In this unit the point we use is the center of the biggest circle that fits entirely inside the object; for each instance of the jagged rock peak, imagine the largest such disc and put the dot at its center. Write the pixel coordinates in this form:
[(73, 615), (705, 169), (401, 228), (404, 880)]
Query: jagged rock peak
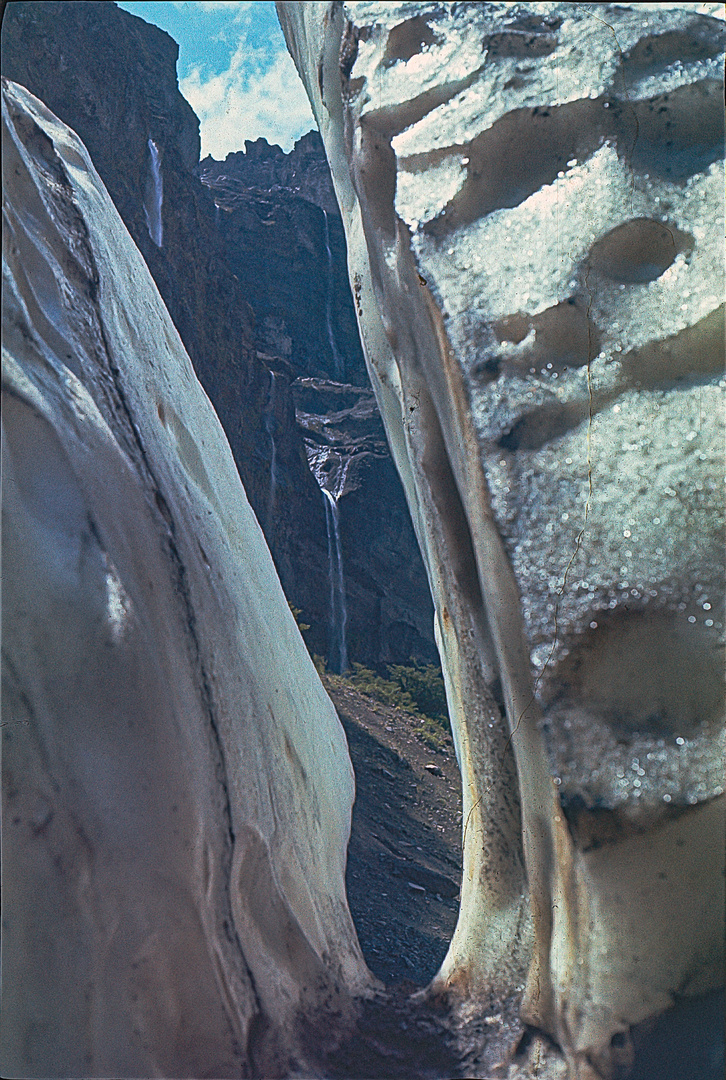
[(304, 171), (127, 78)]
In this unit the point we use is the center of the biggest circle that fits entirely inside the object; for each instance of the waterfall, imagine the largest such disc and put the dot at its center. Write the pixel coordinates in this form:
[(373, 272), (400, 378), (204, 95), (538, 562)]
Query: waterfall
[(338, 365), (331, 481), (152, 206), (338, 612), (270, 423)]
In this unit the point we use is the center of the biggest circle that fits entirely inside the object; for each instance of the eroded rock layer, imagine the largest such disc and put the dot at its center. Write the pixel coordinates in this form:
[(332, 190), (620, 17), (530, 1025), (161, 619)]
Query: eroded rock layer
[(177, 788), (532, 196)]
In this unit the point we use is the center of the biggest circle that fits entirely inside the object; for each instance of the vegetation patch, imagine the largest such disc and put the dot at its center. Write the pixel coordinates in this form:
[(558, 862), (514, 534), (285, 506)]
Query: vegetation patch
[(415, 688)]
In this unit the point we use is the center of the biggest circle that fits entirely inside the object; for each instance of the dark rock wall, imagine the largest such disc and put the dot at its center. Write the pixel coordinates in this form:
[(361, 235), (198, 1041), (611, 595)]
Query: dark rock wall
[(304, 171), (279, 219), (247, 299), (390, 611)]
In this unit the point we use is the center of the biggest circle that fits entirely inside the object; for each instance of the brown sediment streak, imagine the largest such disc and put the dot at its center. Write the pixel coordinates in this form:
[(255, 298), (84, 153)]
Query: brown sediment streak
[(544, 834)]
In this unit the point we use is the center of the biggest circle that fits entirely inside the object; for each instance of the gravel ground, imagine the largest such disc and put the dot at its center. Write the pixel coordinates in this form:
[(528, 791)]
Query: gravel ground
[(403, 880), (404, 859)]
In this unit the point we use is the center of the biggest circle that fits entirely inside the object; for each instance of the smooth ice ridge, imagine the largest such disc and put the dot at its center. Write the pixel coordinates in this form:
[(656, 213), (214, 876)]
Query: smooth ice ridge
[(177, 787)]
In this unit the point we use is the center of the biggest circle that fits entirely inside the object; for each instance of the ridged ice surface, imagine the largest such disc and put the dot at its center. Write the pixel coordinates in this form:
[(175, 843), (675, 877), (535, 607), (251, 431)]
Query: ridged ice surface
[(560, 171), (532, 196)]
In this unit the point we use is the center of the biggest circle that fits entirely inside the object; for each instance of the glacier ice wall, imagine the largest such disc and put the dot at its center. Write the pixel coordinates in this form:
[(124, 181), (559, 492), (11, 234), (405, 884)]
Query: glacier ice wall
[(177, 788), (533, 201)]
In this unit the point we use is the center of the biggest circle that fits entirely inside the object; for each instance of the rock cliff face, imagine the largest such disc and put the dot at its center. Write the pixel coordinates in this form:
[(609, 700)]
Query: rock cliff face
[(284, 241), (304, 171), (176, 783), (530, 194), (347, 450), (112, 78)]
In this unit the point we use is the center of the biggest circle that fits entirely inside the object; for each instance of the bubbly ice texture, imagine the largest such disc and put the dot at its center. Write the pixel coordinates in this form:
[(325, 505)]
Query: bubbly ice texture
[(609, 415), (533, 208), (566, 215)]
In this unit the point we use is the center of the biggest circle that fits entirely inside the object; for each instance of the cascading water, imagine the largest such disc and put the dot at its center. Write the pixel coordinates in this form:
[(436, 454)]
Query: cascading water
[(155, 196), (338, 364), (270, 423), (332, 484), (338, 611)]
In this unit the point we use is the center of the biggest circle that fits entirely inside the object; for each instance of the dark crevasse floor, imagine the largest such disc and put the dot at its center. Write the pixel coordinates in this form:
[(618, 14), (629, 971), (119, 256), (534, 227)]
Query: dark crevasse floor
[(403, 879)]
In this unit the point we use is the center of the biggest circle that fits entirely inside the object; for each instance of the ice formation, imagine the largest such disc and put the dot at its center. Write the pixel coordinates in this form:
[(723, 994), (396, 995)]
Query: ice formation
[(177, 788), (533, 203)]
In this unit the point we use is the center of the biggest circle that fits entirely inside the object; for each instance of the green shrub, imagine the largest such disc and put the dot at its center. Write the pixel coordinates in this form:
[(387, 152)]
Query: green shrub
[(432, 734), (415, 688), (385, 690), (296, 613), (425, 685)]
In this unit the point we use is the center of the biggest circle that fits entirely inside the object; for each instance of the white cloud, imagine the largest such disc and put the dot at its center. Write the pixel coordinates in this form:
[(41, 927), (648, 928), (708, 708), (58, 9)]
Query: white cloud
[(210, 6), (260, 94)]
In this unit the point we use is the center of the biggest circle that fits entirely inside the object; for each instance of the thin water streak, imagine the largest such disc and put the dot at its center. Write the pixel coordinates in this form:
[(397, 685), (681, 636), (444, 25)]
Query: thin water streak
[(270, 424), (338, 365), (155, 199), (338, 610)]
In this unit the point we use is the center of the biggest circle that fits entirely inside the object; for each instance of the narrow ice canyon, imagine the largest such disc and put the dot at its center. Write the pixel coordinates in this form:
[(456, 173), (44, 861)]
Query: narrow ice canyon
[(533, 202)]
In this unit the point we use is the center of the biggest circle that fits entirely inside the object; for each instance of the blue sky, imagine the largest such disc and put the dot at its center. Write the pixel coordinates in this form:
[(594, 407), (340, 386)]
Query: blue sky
[(234, 70)]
